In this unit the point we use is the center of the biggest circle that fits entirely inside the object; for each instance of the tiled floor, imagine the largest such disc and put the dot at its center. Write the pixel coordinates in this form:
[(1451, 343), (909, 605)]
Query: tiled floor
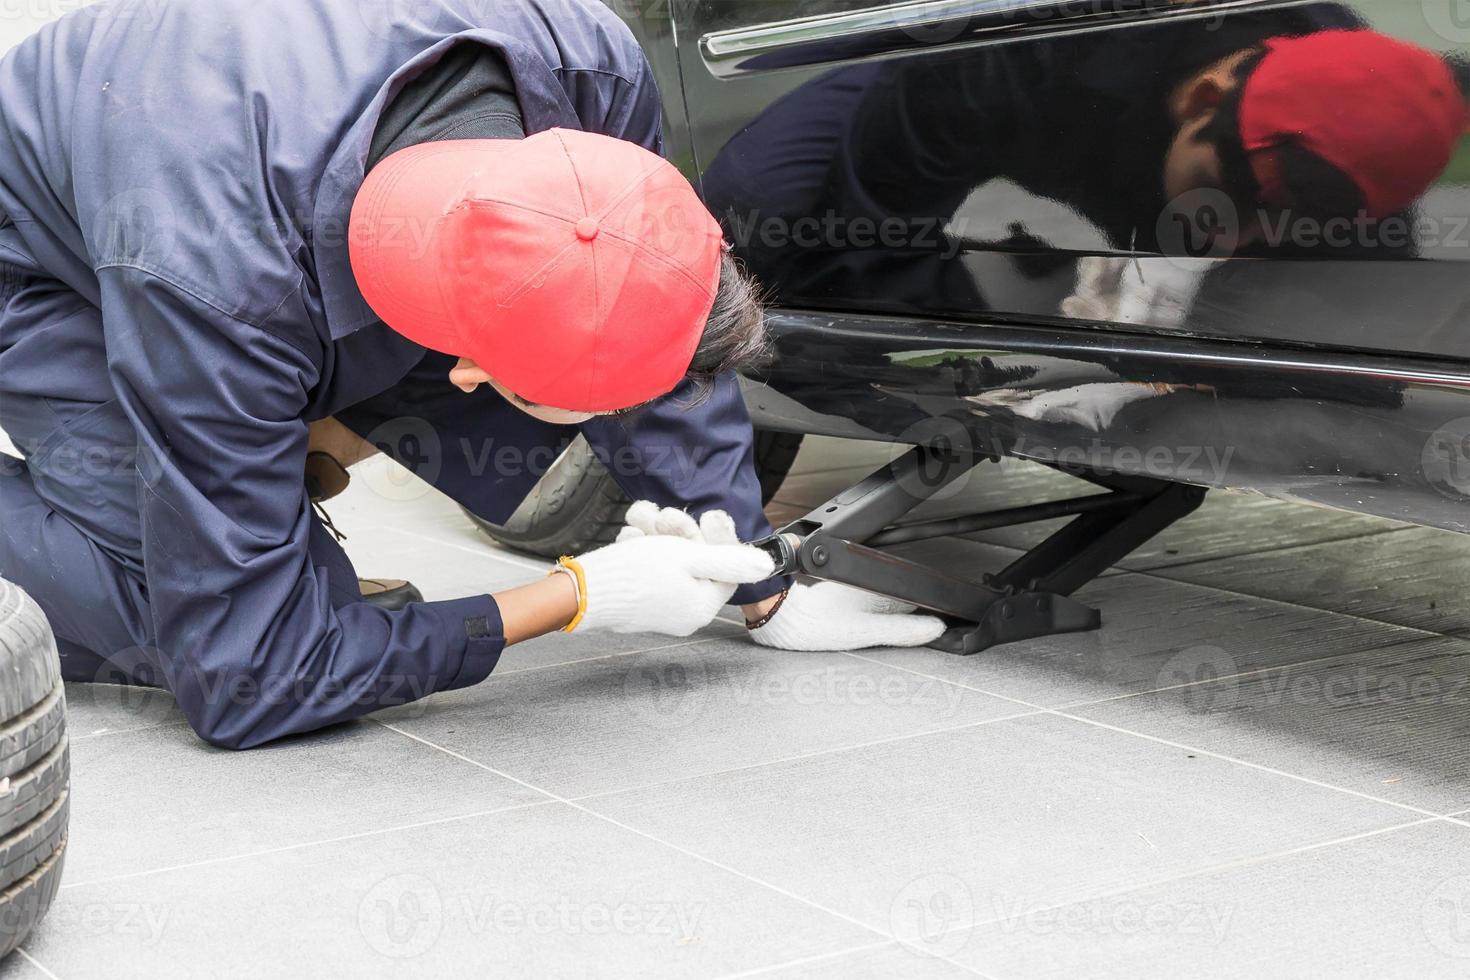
[(1259, 766)]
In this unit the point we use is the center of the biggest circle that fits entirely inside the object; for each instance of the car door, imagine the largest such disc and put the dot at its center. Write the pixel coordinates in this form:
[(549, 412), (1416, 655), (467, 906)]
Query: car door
[(1010, 161)]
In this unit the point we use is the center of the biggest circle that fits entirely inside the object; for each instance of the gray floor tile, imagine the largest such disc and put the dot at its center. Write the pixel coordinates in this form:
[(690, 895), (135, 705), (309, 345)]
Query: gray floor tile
[(384, 493), (807, 490), (949, 825), (103, 709), (1155, 634), (17, 967), (1391, 723), (439, 570), (160, 798), (1389, 905), (1227, 524), (393, 523), (610, 724), (456, 531), (880, 963), (542, 892), (822, 453), (1417, 577)]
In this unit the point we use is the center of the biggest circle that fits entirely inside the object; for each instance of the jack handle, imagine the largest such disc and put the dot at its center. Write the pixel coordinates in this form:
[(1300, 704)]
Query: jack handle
[(784, 549)]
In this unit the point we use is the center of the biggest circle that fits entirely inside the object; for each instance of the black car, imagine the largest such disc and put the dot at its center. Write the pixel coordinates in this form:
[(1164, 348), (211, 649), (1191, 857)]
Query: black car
[(1053, 229)]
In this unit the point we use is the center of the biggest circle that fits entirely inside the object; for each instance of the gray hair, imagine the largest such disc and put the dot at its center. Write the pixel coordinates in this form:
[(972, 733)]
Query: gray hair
[(735, 333)]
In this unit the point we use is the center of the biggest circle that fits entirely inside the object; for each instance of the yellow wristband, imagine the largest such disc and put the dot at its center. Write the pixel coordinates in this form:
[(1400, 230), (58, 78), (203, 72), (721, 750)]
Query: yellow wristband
[(575, 568)]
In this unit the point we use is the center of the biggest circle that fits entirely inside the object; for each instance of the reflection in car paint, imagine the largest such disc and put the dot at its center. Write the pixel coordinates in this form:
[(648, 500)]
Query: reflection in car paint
[(1012, 178)]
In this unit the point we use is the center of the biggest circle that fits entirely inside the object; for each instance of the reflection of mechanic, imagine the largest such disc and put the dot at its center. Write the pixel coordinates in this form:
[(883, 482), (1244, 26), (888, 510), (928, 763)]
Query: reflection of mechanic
[(165, 381), (1333, 123)]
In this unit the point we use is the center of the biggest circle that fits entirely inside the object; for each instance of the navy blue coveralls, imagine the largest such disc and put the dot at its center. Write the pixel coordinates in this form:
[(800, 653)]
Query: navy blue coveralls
[(177, 305)]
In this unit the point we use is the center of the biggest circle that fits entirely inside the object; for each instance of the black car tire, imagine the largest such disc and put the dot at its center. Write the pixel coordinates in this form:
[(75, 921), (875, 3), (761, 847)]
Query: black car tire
[(577, 506), (34, 767)]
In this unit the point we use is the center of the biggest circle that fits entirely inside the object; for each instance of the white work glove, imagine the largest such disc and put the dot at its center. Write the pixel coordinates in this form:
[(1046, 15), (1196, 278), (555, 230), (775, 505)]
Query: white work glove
[(825, 616), (670, 585), (833, 616)]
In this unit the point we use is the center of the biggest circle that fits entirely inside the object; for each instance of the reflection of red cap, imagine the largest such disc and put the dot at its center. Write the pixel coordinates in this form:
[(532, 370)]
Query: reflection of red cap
[(577, 269), (1384, 112)]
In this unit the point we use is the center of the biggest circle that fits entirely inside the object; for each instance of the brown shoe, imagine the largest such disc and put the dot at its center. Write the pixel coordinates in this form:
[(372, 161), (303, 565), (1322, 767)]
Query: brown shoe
[(391, 594), (325, 477)]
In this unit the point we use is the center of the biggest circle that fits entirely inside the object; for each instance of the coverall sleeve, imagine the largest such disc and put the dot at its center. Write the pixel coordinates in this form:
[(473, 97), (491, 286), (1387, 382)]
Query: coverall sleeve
[(250, 643), (639, 117), (691, 454)]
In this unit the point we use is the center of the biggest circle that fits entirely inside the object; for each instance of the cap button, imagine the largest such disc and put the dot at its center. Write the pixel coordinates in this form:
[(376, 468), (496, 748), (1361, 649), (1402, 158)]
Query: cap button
[(587, 229)]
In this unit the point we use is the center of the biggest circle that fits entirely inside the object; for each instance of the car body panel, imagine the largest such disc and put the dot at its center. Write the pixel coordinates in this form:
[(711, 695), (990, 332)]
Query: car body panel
[(1022, 143), (1387, 436)]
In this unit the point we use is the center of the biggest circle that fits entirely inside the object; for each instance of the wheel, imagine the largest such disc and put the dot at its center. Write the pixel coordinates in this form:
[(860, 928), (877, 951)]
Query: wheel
[(34, 767), (577, 506)]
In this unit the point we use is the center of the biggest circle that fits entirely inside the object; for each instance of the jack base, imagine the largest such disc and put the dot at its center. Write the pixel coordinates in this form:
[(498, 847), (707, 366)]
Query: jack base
[(1019, 617)]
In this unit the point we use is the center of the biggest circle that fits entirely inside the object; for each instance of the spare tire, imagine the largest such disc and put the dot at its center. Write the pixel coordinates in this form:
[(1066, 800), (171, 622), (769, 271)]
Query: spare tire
[(34, 767), (577, 506)]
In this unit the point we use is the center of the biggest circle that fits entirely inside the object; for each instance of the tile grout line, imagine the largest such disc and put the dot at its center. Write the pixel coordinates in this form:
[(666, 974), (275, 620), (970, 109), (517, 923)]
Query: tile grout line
[(1247, 674), (125, 731), (1057, 712), (611, 656), (35, 962), (823, 957), (644, 834), (1276, 550), (1262, 768), (490, 552), (801, 757), (1291, 605), (225, 859), (804, 960), (1222, 866), (968, 687)]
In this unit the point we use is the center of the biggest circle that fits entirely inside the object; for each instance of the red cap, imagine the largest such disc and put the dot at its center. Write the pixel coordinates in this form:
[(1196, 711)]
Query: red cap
[(577, 269), (1384, 112)]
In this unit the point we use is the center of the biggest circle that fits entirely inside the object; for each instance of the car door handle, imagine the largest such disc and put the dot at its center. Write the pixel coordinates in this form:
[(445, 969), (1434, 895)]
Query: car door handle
[(852, 35)]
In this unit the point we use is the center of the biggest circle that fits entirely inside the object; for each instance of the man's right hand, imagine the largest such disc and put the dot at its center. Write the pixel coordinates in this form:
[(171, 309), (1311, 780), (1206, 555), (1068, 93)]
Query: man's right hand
[(667, 584)]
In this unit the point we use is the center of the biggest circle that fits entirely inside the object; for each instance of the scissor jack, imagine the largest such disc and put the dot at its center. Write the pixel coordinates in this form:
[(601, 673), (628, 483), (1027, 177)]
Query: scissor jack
[(840, 541)]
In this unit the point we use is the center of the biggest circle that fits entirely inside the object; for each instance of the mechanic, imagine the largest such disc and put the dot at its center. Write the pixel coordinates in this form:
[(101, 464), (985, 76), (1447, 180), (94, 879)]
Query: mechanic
[(196, 268)]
